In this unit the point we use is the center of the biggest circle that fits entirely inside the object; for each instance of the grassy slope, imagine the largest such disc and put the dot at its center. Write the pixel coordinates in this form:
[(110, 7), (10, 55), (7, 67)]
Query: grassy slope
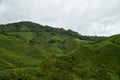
[(43, 54)]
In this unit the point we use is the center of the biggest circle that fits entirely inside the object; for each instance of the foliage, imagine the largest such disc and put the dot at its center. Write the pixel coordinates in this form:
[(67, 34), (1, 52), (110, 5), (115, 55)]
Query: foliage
[(29, 51)]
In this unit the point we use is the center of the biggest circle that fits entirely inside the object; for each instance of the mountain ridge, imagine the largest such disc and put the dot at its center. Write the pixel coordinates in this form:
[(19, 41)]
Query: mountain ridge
[(30, 51)]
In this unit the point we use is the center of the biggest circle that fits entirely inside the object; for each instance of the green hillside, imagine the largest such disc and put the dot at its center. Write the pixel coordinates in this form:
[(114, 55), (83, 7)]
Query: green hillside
[(29, 51)]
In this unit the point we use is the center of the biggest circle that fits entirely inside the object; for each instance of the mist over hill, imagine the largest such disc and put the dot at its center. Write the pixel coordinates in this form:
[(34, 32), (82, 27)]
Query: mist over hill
[(30, 51)]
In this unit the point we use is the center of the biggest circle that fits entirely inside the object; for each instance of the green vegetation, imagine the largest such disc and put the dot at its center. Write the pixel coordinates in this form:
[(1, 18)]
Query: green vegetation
[(29, 51)]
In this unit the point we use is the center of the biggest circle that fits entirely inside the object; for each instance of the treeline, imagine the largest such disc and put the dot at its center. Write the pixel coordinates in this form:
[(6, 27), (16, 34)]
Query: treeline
[(26, 26)]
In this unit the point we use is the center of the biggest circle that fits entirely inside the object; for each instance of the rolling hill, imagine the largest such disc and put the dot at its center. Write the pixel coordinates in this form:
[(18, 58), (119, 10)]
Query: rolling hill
[(30, 51)]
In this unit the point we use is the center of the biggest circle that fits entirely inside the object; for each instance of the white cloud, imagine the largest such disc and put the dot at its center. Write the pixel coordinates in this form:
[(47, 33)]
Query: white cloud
[(90, 17)]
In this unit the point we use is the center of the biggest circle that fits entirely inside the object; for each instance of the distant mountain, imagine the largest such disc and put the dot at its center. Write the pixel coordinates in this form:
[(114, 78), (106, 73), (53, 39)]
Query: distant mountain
[(30, 51)]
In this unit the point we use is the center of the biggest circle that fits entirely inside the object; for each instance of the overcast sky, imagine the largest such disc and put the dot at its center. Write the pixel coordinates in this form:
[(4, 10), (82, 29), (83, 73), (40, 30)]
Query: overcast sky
[(89, 17)]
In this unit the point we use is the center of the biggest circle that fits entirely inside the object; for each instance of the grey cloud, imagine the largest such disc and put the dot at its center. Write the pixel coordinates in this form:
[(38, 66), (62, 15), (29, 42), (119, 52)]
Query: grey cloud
[(90, 17)]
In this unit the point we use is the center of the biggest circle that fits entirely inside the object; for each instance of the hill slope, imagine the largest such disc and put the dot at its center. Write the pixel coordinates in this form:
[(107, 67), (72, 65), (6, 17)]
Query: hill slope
[(29, 51)]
